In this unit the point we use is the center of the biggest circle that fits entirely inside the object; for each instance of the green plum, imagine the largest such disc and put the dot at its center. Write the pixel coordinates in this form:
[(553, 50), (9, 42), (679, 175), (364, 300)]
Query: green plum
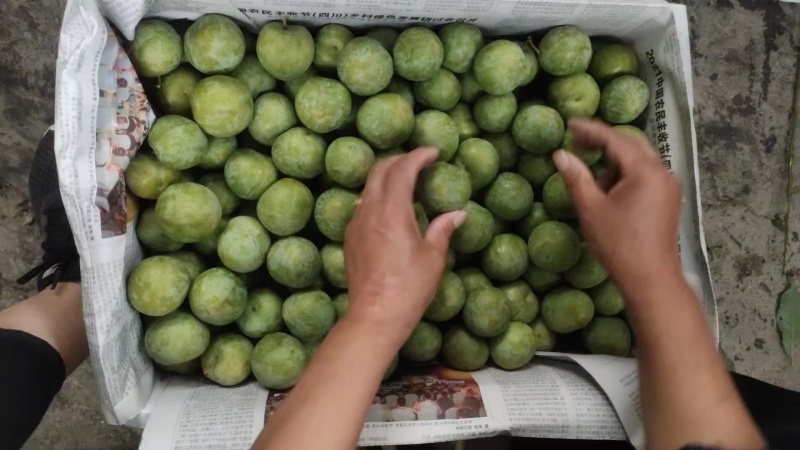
[(470, 89), (385, 120), (175, 90), (537, 169), (481, 161), (624, 99), (177, 142), (507, 150), (328, 45), (309, 315), (588, 272), (191, 261), (538, 129), (575, 95), (249, 173), (214, 44), (219, 149), (514, 347), (215, 181), (262, 315), (385, 35), (630, 130), (348, 161), (332, 255), (499, 67), (176, 338), (461, 42), (613, 61), (441, 91), (156, 48), (218, 296), (566, 310), (473, 279), (365, 67), (292, 85), (243, 245), (435, 129), (341, 303), (278, 360), (299, 153), (333, 211), (252, 74), (418, 54), (495, 113), (476, 231), (544, 338), (188, 212), (607, 336), (607, 299), (531, 66), (227, 359), (556, 198), (208, 245), (423, 344), (465, 124), (158, 286), (449, 298), (147, 177), (286, 51), (322, 104), (505, 258), (463, 350), (554, 246), (285, 207), (486, 311), (186, 368), (294, 262), (565, 50), (523, 302), (402, 88), (509, 197), (222, 106), (273, 115), (536, 217), (443, 187)]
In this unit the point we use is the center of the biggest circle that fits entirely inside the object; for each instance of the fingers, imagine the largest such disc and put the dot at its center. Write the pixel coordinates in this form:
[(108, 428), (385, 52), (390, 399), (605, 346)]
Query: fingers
[(377, 176), (623, 153), (582, 187), (442, 227), (402, 175)]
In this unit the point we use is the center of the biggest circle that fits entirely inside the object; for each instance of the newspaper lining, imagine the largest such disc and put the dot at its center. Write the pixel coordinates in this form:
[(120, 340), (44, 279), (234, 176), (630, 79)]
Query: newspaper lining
[(129, 389)]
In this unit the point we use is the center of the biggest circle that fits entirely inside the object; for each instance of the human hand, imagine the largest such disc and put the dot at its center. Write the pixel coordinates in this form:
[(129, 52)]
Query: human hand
[(392, 270), (631, 221)]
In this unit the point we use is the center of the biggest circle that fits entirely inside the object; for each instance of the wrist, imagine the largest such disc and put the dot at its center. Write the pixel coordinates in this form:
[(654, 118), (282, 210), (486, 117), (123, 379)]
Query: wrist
[(376, 335)]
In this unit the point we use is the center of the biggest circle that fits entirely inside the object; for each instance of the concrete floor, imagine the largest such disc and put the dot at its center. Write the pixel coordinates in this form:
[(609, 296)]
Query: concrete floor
[(745, 60)]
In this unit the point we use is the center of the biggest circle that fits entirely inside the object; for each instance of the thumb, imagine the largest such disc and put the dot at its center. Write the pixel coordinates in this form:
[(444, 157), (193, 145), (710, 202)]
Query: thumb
[(442, 227), (582, 187)]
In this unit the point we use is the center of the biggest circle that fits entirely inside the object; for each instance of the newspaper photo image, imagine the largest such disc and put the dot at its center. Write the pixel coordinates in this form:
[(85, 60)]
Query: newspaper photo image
[(104, 112)]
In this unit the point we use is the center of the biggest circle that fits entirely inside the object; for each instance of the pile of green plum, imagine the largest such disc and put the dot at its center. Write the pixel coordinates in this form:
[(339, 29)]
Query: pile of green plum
[(253, 170)]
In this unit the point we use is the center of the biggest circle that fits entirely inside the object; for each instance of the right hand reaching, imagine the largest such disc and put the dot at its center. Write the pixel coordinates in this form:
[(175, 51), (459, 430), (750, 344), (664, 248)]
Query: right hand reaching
[(632, 226)]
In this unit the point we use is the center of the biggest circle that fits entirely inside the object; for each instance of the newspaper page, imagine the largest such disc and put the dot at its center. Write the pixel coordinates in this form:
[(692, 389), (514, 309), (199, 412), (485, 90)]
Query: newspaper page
[(108, 247), (547, 399)]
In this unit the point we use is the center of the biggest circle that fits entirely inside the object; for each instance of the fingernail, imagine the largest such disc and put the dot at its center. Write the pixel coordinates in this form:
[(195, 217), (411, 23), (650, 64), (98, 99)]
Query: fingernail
[(563, 160), (459, 217)]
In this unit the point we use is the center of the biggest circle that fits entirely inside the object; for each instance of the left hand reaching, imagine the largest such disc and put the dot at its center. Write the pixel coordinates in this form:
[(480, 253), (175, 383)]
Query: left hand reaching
[(392, 270)]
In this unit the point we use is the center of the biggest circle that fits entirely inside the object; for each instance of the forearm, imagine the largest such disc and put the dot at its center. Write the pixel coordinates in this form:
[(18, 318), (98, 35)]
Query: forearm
[(327, 407), (687, 394)]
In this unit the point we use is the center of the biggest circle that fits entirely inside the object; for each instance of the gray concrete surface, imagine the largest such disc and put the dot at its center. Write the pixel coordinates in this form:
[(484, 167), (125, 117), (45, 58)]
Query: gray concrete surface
[(745, 61)]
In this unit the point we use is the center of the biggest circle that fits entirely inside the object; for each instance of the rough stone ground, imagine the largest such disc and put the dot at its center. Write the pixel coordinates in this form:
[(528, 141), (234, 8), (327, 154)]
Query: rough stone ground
[(745, 61)]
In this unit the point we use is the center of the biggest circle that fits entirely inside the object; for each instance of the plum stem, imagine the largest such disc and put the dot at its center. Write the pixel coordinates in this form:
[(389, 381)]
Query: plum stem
[(285, 25), (530, 43)]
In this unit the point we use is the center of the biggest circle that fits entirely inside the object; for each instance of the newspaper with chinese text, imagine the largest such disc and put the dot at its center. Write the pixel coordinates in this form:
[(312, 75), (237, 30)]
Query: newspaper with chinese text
[(102, 115)]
